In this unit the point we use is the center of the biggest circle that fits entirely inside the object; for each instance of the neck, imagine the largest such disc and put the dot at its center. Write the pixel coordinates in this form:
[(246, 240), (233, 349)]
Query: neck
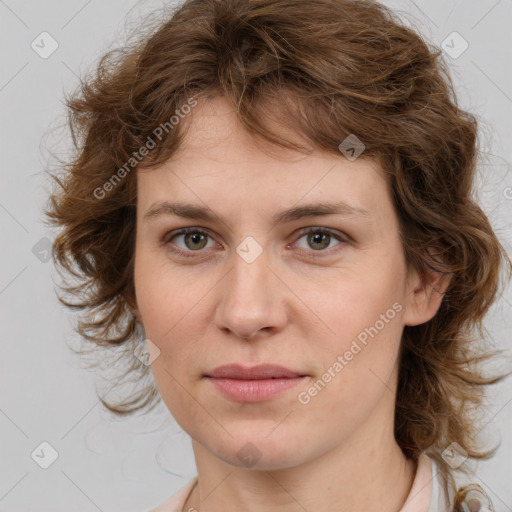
[(355, 477)]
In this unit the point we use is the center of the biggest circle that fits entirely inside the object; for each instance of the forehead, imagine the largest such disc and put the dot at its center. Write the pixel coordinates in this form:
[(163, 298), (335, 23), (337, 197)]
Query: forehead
[(220, 164)]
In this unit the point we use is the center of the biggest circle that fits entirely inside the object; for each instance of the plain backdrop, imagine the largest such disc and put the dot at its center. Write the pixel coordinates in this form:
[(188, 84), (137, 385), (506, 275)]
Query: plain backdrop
[(47, 396)]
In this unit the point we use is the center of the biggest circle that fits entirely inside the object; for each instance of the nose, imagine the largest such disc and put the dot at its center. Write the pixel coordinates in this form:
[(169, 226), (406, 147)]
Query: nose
[(253, 299)]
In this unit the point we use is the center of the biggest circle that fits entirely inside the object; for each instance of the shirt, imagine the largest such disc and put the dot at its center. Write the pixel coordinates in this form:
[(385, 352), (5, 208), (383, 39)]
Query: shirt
[(428, 492)]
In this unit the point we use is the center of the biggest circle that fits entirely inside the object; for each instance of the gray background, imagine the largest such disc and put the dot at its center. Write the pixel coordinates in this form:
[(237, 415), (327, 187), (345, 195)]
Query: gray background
[(47, 395)]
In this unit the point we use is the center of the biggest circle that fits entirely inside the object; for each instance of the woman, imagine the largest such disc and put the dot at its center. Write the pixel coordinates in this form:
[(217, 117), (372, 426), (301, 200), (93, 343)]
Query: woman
[(319, 343)]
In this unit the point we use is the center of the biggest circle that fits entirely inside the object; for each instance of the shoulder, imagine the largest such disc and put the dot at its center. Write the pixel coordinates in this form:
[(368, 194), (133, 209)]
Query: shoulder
[(443, 494), (176, 502), (459, 496)]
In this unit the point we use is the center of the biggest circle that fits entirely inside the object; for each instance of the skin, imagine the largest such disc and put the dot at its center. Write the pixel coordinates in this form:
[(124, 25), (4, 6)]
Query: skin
[(338, 451)]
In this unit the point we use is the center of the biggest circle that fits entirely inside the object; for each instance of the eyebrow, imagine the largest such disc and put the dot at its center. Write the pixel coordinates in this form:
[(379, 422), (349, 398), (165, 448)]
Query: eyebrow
[(190, 211)]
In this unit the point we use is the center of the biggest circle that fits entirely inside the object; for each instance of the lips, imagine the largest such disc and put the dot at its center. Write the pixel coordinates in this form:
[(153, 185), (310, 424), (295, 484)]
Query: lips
[(253, 384), (260, 372)]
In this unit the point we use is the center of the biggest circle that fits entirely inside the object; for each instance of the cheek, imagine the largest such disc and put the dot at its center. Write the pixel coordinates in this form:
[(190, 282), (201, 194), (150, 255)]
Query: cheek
[(165, 296), (167, 309), (172, 305), (365, 328), (359, 304), (356, 368)]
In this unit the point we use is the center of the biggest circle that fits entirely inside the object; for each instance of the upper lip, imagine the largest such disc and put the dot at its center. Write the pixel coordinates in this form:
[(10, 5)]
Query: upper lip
[(263, 371)]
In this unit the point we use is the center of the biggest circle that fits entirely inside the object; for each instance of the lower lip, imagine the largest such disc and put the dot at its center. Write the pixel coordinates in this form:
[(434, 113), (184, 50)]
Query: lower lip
[(254, 390)]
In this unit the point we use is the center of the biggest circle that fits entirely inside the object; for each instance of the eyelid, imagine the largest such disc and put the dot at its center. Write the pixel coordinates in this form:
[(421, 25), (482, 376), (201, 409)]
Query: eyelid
[(341, 235)]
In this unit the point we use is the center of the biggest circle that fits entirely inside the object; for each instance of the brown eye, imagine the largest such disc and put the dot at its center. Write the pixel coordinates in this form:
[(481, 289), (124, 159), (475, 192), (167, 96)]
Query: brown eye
[(318, 240), (193, 240)]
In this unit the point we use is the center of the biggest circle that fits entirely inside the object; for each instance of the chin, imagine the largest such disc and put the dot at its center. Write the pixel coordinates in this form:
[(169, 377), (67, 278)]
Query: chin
[(260, 451)]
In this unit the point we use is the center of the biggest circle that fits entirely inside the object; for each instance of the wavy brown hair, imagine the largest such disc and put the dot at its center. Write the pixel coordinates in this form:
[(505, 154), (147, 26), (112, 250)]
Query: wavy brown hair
[(327, 69)]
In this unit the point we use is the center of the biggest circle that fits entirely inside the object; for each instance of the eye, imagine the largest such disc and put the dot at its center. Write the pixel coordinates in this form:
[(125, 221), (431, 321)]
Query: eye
[(319, 239), (194, 239)]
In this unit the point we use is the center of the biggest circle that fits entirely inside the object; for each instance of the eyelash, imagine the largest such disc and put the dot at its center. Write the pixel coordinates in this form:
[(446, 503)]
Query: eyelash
[(166, 240)]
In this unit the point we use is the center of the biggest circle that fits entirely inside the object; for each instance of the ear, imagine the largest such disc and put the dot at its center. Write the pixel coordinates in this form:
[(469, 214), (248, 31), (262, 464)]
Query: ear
[(424, 296)]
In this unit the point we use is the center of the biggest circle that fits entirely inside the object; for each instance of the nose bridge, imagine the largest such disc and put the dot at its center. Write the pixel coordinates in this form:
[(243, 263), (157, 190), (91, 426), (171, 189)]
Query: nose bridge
[(250, 296), (251, 269)]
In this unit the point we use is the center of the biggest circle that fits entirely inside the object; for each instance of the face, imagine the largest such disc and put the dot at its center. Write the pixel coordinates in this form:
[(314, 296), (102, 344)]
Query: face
[(324, 295)]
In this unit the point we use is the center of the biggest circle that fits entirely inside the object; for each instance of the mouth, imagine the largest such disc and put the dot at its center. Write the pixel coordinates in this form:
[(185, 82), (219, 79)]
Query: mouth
[(262, 371), (253, 384)]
